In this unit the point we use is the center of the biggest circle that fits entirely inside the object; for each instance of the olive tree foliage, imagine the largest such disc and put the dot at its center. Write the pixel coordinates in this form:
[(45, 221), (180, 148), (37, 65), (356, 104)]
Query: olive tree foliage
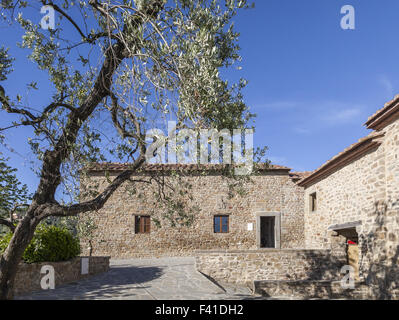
[(5, 64), (173, 53), (14, 196), (85, 230), (116, 69)]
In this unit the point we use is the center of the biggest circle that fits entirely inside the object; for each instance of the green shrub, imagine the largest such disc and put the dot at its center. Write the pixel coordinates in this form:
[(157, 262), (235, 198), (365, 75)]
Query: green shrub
[(49, 244), (4, 241)]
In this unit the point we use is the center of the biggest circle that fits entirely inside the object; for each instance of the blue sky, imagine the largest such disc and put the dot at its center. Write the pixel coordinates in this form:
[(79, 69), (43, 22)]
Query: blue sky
[(311, 83)]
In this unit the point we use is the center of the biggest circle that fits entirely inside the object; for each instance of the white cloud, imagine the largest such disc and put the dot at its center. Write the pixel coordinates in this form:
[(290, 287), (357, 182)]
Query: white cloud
[(342, 116), (278, 160), (309, 117), (283, 161), (301, 130), (278, 105), (387, 85), (317, 116), (328, 113)]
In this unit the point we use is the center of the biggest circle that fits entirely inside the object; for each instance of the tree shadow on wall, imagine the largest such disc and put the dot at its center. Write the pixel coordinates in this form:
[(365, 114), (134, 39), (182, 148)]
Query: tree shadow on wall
[(322, 268), (379, 251), (378, 260)]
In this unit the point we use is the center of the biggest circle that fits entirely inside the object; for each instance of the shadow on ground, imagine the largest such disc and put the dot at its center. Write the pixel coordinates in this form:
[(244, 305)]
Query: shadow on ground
[(120, 281)]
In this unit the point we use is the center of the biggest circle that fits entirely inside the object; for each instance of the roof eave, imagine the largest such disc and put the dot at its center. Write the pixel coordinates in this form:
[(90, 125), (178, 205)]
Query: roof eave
[(380, 120), (358, 150), (166, 168)]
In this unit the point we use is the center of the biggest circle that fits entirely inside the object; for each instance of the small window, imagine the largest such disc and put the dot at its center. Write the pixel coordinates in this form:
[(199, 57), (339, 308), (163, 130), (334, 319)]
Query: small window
[(221, 224), (313, 202), (142, 224)]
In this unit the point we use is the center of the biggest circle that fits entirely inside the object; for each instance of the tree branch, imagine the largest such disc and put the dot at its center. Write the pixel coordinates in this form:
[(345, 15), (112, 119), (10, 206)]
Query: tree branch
[(16, 206), (51, 175), (62, 12), (8, 224), (121, 129), (32, 118), (58, 210)]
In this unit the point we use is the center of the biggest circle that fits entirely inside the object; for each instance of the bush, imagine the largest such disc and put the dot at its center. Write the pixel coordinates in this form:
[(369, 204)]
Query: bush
[(49, 244), (4, 241)]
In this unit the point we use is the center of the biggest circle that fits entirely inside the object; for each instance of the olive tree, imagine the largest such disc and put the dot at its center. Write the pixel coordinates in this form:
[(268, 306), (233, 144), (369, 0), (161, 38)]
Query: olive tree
[(117, 69), (13, 195)]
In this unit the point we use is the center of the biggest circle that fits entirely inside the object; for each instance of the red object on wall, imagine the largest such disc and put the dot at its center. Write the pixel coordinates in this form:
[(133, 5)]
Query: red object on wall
[(351, 242)]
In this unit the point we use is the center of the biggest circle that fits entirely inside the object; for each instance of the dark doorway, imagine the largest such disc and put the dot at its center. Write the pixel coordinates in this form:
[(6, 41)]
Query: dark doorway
[(352, 250), (267, 232), (351, 238)]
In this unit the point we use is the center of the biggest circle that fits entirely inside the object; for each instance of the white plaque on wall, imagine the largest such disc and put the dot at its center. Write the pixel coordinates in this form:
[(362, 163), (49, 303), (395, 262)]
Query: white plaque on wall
[(85, 265), (250, 226)]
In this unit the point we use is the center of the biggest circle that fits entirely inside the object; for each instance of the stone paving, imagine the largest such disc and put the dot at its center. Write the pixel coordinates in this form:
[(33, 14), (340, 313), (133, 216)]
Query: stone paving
[(146, 279)]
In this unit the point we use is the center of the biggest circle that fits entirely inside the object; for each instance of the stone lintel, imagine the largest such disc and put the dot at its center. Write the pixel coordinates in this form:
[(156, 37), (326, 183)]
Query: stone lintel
[(348, 225)]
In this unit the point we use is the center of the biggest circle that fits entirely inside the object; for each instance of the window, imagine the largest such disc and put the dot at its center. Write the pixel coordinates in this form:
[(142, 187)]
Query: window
[(142, 224), (313, 202), (221, 224)]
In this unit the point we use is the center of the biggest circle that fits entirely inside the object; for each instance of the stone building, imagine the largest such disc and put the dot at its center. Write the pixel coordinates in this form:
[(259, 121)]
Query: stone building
[(269, 214), (353, 199), (351, 217), (288, 229)]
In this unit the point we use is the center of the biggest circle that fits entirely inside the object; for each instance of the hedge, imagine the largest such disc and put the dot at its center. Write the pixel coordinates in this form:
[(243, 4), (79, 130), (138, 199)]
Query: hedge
[(49, 244)]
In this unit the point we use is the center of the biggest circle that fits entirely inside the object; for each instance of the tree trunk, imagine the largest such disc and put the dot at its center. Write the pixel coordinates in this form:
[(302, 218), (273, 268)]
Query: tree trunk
[(90, 248), (25, 230), (12, 256), (50, 174), (51, 177)]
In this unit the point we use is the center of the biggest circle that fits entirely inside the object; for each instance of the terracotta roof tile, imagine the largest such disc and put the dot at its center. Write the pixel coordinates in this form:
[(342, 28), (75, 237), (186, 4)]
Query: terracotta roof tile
[(300, 175), (372, 137), (389, 110), (168, 167)]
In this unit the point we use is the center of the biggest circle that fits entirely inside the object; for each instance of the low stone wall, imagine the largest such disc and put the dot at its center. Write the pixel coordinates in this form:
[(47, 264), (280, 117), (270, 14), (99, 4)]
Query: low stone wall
[(28, 275), (324, 289), (245, 267), (310, 289)]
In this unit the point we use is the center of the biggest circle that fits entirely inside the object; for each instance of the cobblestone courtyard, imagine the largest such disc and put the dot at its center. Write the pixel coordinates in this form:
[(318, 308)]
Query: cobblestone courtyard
[(146, 279)]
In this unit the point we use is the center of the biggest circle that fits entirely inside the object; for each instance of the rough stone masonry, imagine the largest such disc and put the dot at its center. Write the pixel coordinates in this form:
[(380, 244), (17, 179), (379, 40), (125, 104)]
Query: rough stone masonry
[(351, 200), (273, 191)]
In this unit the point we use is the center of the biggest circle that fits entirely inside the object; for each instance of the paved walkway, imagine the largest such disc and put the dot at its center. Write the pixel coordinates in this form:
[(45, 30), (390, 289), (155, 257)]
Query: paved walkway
[(148, 279)]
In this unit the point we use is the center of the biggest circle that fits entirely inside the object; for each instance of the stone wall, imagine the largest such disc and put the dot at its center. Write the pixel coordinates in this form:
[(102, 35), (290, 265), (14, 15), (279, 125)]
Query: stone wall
[(272, 191), (245, 267), (28, 275), (366, 190), (345, 196), (312, 289)]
